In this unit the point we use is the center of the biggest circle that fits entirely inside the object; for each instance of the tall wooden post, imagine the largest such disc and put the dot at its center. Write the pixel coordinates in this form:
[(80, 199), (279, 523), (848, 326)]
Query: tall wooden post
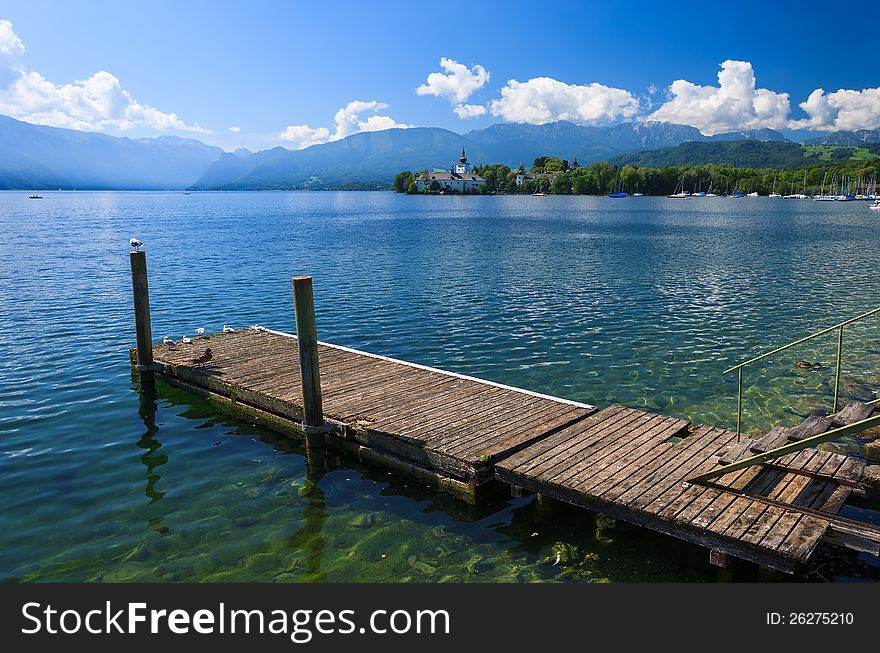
[(142, 314), (307, 337)]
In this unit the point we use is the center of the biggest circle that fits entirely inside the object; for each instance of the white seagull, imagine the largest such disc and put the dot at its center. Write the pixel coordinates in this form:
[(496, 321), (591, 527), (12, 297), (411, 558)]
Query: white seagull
[(187, 340), (134, 242), (257, 327), (168, 341), (201, 331), (228, 329)]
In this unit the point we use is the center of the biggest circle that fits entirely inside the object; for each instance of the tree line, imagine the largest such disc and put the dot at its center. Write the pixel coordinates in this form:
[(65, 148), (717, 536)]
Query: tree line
[(601, 178)]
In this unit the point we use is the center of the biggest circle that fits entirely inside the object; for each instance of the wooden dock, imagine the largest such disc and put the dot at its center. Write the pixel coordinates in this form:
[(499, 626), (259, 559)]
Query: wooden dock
[(778, 501), (461, 433), (449, 427), (635, 466)]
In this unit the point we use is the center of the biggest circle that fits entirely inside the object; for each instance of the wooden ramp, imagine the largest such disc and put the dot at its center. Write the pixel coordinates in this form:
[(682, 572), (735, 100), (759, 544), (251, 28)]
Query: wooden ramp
[(420, 418), (634, 466)]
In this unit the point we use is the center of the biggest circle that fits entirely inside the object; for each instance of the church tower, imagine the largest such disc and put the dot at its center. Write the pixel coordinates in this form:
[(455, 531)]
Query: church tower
[(462, 166)]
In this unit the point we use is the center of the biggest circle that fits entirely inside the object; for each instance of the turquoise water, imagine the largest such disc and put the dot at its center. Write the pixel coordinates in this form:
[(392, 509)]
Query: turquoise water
[(641, 301)]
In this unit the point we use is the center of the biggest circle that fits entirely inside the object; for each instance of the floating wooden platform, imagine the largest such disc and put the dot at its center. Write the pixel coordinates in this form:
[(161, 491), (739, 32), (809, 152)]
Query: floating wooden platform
[(635, 466), (462, 432), (443, 424)]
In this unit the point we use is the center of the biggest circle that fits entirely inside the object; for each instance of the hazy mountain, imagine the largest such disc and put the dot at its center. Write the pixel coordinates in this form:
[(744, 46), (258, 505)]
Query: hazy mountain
[(371, 159), (363, 160), (847, 139), (38, 157)]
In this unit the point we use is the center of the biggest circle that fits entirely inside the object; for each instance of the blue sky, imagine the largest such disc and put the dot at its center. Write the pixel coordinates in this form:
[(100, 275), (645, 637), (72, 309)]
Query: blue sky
[(199, 68)]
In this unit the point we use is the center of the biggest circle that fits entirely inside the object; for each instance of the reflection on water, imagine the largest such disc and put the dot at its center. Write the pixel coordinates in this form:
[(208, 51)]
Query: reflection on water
[(642, 303), (147, 410)]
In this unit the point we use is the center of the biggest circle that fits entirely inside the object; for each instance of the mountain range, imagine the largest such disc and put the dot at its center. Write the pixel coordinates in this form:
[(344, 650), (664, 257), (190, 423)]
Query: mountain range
[(371, 159), (38, 157)]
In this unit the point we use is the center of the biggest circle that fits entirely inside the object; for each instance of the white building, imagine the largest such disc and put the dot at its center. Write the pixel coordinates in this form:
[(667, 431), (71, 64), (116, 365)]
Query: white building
[(460, 178)]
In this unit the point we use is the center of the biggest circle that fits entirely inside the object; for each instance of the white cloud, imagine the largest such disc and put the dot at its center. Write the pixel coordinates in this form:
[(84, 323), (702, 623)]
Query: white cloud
[(734, 104), (347, 121), (457, 84), (234, 130), (96, 103), (469, 110), (542, 99), (841, 110), (302, 136)]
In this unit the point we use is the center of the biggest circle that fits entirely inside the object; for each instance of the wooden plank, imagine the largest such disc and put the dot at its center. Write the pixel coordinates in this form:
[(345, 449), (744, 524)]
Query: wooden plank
[(854, 411), (605, 436), (775, 438), (762, 526), (431, 413), (736, 452), (666, 463), (813, 425), (561, 438), (744, 522), (514, 431), (636, 440), (850, 471), (589, 436), (498, 419), (780, 530), (614, 469), (661, 493), (803, 538)]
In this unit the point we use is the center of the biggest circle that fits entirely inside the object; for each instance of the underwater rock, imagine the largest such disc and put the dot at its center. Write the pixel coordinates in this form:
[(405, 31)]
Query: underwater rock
[(872, 451), (139, 553), (269, 475), (285, 497), (252, 493), (424, 568), (604, 526), (127, 573), (565, 554), (245, 522), (365, 520), (871, 477), (476, 565), (857, 388)]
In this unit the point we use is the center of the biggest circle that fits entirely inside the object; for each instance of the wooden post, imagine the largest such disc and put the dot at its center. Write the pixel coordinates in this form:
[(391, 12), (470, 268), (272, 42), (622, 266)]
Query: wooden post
[(307, 340), (142, 313)]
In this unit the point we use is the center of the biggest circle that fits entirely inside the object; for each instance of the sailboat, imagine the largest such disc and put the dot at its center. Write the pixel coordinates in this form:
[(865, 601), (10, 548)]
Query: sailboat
[(679, 193), (774, 193), (709, 192), (637, 193), (822, 197), (736, 192), (799, 196), (618, 194)]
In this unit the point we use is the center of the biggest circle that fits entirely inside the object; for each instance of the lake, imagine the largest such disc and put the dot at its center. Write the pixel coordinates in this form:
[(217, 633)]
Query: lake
[(641, 301)]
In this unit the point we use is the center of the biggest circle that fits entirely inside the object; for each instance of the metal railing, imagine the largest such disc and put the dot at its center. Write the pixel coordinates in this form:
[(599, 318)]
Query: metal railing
[(838, 327)]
